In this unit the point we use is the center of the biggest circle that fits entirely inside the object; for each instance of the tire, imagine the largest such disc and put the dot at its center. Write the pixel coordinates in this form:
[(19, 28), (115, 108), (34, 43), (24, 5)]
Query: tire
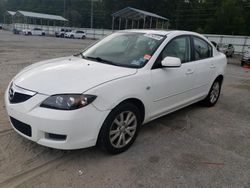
[(213, 94), (242, 63), (72, 36), (62, 35), (83, 37), (120, 140)]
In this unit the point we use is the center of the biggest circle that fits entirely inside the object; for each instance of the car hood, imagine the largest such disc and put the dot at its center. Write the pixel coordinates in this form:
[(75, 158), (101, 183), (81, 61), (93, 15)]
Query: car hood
[(68, 75)]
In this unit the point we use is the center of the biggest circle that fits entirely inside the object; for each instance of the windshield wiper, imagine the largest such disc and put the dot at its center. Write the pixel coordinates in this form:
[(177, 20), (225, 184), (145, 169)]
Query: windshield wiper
[(99, 59)]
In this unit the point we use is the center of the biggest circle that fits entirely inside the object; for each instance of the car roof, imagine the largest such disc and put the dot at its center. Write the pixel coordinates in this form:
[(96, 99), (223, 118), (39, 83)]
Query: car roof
[(161, 32)]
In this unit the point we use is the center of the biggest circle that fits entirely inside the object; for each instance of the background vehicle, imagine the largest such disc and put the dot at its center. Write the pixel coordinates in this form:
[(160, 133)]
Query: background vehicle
[(35, 31), (75, 34), (16, 31), (62, 32), (245, 59), (215, 45), (227, 49), (1, 26), (125, 80)]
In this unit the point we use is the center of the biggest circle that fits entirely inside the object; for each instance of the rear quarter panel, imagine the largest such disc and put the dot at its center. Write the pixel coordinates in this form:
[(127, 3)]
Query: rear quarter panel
[(220, 62)]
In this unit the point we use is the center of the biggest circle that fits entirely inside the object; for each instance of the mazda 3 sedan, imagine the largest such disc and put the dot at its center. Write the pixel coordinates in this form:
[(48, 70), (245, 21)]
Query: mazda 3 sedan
[(103, 95)]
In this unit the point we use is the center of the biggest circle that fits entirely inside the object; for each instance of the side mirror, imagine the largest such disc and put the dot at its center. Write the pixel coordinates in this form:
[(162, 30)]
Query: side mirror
[(171, 62)]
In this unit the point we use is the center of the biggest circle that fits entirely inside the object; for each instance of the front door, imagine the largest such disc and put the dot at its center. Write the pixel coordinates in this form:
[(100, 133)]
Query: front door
[(172, 87)]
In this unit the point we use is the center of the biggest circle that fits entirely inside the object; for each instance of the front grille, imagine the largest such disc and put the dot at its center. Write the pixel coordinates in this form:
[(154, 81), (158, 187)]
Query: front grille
[(20, 126), (18, 94), (19, 97)]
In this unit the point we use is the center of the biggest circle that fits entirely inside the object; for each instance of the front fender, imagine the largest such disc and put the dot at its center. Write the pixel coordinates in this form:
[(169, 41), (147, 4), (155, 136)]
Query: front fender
[(110, 94)]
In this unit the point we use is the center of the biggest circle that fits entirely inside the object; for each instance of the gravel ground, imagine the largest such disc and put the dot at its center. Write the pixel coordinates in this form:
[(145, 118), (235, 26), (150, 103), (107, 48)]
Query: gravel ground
[(193, 147)]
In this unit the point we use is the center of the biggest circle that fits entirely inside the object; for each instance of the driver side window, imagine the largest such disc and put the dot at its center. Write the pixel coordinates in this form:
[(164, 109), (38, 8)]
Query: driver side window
[(178, 47)]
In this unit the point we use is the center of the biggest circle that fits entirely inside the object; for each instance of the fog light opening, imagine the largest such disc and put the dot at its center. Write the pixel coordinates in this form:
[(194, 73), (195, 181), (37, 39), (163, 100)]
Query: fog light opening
[(57, 137)]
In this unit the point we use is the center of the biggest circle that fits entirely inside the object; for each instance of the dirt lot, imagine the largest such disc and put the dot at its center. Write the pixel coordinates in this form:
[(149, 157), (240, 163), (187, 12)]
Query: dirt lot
[(193, 147)]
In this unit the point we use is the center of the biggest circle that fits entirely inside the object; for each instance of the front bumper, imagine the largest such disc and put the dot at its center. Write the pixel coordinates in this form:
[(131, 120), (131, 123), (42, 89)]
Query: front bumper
[(78, 128)]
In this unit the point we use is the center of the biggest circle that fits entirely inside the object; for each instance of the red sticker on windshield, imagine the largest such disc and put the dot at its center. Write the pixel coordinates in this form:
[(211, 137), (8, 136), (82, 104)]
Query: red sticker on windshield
[(147, 57)]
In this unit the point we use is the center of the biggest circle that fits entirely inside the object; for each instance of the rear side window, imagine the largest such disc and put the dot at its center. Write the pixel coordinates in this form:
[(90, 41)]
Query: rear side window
[(202, 49)]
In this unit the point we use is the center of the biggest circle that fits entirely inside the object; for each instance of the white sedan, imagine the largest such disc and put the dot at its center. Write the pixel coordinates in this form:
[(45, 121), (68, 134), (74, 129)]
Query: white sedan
[(103, 95)]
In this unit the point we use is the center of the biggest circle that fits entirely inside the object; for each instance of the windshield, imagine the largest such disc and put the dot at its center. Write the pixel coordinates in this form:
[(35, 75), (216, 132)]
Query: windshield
[(127, 49)]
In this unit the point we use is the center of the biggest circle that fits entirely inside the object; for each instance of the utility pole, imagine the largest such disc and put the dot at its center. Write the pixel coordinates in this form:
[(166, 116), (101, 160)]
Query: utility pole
[(91, 14), (64, 11), (178, 14), (64, 8)]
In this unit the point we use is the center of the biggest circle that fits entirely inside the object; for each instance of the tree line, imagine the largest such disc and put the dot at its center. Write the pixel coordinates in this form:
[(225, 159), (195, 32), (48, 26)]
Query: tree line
[(204, 16)]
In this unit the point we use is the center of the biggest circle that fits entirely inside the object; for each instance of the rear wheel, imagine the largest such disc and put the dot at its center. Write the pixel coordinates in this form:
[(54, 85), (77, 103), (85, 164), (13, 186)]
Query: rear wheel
[(120, 128), (213, 94)]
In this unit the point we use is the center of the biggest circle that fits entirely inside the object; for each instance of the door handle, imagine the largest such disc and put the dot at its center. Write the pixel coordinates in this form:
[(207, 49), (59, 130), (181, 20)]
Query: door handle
[(189, 71), (212, 66)]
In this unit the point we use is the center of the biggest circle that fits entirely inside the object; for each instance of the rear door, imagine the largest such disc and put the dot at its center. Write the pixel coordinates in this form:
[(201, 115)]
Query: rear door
[(205, 66), (77, 34)]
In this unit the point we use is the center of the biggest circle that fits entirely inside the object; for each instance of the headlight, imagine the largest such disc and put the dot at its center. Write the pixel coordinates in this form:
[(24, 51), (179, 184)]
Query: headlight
[(68, 101)]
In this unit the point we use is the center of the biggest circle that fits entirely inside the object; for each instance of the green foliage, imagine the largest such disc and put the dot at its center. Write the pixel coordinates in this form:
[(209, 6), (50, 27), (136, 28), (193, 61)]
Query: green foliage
[(228, 19), (206, 16)]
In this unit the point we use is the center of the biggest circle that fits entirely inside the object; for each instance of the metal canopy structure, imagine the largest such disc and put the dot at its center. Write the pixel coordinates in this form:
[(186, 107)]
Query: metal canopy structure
[(8, 17), (134, 14), (10, 13), (24, 20), (40, 16)]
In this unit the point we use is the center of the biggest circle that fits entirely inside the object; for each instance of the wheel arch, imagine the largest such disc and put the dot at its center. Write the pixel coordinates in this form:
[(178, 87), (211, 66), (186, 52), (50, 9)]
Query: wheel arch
[(138, 103), (220, 78)]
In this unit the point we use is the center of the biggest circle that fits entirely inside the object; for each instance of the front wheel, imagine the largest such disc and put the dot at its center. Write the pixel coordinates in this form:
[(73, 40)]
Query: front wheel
[(213, 94), (120, 128)]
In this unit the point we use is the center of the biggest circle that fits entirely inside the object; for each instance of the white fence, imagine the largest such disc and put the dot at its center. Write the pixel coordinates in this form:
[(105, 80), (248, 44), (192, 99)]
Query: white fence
[(50, 30), (239, 42)]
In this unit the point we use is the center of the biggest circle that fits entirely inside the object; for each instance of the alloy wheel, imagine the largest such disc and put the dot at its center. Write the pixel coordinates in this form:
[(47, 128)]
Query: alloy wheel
[(215, 92), (123, 129)]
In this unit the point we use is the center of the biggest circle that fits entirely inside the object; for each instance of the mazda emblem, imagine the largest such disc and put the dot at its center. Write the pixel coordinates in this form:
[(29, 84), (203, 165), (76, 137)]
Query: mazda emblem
[(11, 93)]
